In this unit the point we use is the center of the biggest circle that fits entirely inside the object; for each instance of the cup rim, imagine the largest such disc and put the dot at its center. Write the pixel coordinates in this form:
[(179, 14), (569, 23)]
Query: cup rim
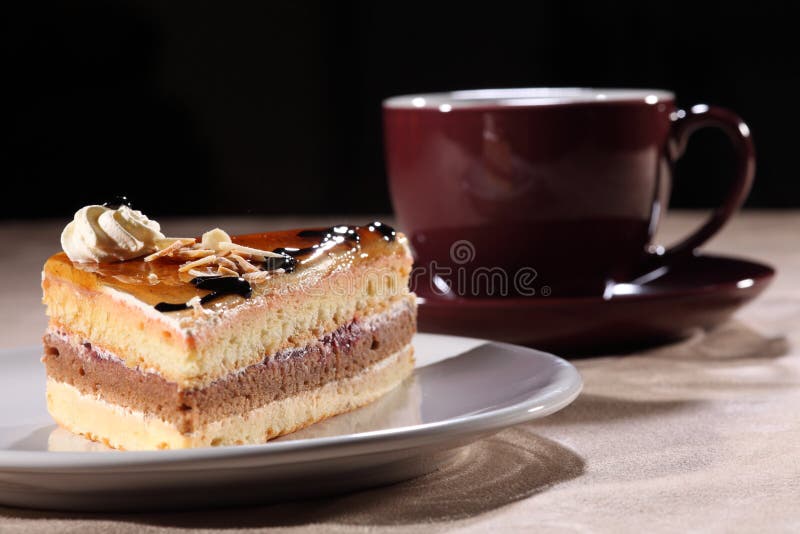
[(525, 97)]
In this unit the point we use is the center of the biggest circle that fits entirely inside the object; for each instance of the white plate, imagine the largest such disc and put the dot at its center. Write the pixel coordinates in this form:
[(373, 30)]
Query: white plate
[(462, 390)]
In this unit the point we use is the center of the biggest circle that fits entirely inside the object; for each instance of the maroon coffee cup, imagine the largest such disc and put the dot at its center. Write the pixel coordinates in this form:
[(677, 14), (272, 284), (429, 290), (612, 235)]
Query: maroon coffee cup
[(544, 192)]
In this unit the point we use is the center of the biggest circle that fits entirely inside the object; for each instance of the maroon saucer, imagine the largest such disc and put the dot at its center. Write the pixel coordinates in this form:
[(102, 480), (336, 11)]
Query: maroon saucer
[(702, 291)]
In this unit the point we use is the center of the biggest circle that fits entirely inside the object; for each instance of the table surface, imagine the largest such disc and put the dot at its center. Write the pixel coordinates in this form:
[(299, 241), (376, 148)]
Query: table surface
[(702, 434)]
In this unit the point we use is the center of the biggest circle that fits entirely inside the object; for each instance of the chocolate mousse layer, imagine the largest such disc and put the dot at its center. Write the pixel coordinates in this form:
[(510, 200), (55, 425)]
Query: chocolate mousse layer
[(339, 355)]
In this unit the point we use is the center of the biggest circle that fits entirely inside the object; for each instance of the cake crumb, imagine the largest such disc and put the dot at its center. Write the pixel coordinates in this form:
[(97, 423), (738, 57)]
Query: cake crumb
[(197, 306)]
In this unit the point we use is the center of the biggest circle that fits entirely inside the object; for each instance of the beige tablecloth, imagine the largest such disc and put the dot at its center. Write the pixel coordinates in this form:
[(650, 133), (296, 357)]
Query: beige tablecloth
[(701, 435)]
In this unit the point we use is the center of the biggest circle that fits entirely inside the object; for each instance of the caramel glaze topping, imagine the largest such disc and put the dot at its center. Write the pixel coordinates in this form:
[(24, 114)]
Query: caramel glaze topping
[(172, 290)]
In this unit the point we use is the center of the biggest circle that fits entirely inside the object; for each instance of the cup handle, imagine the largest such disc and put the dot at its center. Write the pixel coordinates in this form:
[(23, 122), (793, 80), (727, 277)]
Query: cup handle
[(684, 124)]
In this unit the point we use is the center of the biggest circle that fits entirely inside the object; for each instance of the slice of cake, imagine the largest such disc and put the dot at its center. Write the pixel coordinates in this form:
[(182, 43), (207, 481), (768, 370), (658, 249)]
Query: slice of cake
[(157, 343)]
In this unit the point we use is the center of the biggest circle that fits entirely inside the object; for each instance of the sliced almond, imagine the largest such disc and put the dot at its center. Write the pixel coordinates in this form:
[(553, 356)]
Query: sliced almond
[(193, 253), (197, 263), (249, 251), (214, 238), (224, 271), (167, 241), (168, 251), (225, 262), (197, 273), (244, 265)]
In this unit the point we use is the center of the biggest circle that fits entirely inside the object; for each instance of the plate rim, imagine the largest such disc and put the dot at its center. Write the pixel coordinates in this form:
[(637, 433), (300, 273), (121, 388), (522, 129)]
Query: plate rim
[(565, 385)]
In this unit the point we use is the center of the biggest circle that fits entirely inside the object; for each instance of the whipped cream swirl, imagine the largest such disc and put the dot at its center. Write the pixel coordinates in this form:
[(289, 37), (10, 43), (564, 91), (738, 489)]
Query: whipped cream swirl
[(102, 235)]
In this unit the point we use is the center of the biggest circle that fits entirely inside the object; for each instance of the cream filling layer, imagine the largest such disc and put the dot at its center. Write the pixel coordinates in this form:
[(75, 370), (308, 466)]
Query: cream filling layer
[(369, 322), (123, 428)]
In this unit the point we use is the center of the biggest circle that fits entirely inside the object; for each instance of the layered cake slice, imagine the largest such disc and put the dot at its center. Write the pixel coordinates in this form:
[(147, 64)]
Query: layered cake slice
[(159, 343)]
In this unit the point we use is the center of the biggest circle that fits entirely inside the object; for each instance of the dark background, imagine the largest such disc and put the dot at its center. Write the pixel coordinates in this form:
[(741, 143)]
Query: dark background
[(274, 107)]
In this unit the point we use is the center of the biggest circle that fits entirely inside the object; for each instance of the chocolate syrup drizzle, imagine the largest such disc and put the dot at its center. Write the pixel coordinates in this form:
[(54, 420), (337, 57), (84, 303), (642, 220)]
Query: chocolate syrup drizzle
[(219, 287), (385, 230), (117, 202), (232, 285), (287, 263)]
